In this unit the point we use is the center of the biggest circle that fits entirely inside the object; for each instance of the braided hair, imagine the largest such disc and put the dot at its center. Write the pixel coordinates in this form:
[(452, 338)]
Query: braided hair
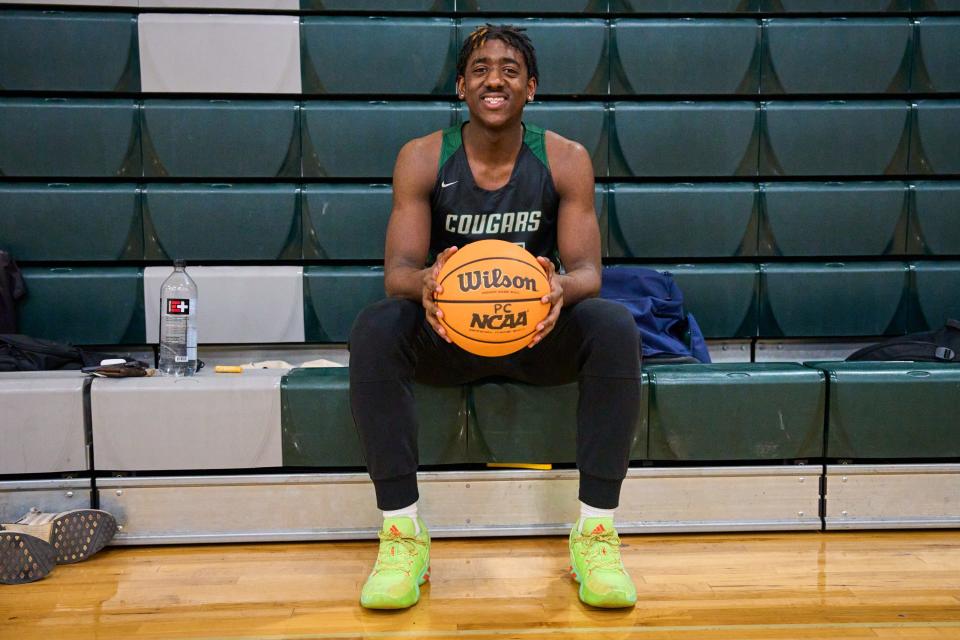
[(510, 35)]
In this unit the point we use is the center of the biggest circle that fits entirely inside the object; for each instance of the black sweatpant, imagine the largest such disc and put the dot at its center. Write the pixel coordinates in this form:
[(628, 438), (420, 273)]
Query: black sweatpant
[(594, 342)]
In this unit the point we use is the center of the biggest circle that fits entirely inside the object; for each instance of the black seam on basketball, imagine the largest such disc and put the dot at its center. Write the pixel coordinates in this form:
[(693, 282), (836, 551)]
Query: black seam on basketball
[(505, 301), (536, 266), (444, 322)]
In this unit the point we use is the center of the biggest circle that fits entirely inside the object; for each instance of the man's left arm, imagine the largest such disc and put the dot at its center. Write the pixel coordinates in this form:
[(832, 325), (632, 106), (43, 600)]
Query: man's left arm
[(578, 234)]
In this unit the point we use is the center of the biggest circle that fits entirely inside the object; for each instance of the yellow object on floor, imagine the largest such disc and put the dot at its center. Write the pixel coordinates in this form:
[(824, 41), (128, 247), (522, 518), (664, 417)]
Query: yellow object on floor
[(221, 368), (520, 465)]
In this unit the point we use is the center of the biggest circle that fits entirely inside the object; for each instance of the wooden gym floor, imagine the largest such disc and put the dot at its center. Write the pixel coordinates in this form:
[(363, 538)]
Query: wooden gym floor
[(703, 587)]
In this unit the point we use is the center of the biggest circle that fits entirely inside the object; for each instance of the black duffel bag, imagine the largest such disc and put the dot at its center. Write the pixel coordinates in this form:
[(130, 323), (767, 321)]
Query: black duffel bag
[(941, 345), (23, 353)]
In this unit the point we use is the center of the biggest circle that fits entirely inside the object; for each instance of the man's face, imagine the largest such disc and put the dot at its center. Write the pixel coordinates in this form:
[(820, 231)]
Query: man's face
[(496, 85)]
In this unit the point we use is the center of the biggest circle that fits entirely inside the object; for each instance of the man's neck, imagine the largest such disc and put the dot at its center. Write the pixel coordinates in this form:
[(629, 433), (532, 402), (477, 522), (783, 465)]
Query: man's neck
[(493, 146)]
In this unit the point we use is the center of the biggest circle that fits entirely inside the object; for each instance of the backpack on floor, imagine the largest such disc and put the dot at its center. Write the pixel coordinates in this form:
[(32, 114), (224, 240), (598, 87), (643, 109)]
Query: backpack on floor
[(941, 345), (667, 331)]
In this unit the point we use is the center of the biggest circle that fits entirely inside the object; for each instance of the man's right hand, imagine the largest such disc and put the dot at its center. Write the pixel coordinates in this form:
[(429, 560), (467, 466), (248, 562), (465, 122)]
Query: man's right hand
[(432, 288)]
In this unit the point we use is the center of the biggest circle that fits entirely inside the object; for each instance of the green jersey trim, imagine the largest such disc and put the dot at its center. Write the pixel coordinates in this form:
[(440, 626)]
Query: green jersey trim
[(452, 140), (533, 136)]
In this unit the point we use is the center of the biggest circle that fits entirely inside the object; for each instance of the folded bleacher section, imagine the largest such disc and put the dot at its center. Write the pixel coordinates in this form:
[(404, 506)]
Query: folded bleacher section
[(794, 164)]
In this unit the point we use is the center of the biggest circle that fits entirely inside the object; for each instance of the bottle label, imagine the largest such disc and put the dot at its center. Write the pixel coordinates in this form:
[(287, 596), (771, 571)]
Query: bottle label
[(179, 306), (178, 330)]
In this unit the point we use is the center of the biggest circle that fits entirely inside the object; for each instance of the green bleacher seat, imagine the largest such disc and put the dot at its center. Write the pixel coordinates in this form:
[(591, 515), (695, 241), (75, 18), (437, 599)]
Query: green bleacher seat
[(59, 137), (334, 295), (826, 55), (571, 52), (67, 222), (722, 297), (892, 410), (736, 412), (935, 219), (936, 137), (683, 220), (345, 221), (533, 6), (834, 219), (388, 66), (68, 51), (514, 422), (833, 299), (935, 66), (937, 285), (683, 6), (693, 56), (833, 6), (197, 222), (377, 5), (834, 138), (684, 139), (318, 427), (221, 139), (585, 122), (83, 305), (936, 5), (362, 139)]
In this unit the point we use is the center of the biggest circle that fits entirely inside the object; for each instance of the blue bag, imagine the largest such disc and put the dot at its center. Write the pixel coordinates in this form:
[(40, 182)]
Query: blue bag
[(666, 330)]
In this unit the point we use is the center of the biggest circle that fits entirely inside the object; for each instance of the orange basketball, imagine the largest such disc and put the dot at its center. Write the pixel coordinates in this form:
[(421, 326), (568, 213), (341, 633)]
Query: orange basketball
[(491, 297)]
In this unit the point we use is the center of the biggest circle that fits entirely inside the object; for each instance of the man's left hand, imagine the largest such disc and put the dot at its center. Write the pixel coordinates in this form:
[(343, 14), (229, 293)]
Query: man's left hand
[(554, 299)]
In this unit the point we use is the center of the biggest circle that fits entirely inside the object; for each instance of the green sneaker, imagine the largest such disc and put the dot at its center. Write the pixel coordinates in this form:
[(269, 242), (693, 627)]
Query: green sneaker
[(595, 563), (403, 564)]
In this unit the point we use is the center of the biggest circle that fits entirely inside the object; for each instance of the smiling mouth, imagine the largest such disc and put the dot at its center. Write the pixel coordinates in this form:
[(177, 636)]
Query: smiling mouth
[(493, 101)]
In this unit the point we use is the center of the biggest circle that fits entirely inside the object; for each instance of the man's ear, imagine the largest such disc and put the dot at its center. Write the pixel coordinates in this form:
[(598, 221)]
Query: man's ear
[(461, 89), (531, 89)]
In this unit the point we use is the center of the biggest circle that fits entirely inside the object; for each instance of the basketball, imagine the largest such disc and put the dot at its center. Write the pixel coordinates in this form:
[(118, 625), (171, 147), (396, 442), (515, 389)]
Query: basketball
[(491, 297)]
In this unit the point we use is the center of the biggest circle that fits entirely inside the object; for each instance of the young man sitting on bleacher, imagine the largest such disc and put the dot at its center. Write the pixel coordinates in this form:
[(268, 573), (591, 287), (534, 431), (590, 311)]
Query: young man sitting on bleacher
[(492, 165)]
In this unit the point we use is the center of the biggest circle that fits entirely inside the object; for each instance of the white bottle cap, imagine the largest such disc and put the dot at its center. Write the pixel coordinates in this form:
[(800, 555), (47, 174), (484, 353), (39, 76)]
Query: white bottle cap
[(109, 361)]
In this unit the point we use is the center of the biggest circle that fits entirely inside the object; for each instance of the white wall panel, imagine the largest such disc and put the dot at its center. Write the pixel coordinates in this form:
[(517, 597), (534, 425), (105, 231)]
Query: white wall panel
[(206, 421), (236, 304), (285, 5), (219, 53), (79, 3), (41, 422)]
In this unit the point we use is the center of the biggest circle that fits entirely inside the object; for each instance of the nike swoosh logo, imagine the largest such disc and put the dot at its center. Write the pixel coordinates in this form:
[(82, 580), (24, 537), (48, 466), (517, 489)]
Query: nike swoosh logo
[(444, 185)]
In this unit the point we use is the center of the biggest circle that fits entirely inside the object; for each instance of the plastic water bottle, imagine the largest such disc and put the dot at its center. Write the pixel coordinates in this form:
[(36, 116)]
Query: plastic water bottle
[(178, 323)]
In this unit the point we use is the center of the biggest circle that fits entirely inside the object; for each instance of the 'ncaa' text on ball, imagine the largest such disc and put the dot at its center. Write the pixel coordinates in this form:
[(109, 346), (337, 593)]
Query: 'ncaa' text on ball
[(501, 318)]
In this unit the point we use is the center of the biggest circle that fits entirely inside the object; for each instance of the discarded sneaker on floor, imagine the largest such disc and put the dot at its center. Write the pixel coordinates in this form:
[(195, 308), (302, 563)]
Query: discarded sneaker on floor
[(74, 535), (24, 558)]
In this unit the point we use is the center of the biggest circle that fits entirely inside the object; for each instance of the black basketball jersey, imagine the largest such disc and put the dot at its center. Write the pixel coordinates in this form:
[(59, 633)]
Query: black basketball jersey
[(523, 211)]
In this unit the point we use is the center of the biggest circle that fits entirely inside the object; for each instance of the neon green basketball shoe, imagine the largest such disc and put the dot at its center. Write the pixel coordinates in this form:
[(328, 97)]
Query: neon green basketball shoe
[(403, 564), (595, 563)]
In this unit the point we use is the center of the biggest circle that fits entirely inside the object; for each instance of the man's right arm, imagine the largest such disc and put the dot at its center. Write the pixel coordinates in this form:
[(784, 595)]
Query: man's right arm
[(408, 233)]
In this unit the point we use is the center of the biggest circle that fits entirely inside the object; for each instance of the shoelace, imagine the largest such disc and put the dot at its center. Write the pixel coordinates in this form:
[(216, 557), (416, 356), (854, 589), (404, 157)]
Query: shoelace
[(397, 552), (601, 550)]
